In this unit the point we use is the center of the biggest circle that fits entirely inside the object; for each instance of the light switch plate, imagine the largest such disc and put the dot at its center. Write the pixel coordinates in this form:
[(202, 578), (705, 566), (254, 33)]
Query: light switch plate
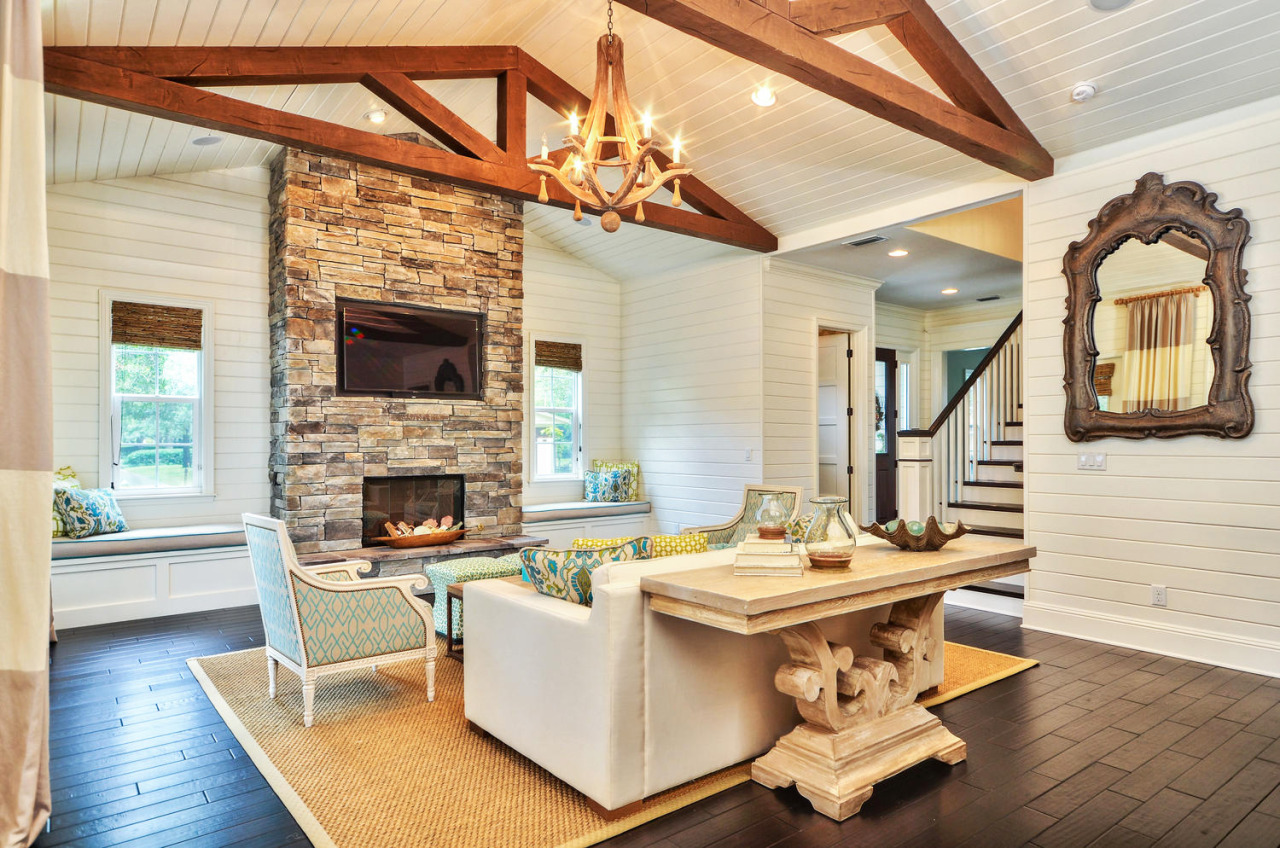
[(1091, 461)]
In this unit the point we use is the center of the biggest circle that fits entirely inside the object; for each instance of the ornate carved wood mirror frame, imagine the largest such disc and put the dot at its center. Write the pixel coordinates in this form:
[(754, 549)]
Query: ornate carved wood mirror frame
[(1152, 210)]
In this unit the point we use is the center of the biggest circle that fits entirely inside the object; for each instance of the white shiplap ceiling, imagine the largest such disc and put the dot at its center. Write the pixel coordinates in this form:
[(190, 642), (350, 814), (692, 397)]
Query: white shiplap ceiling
[(807, 161)]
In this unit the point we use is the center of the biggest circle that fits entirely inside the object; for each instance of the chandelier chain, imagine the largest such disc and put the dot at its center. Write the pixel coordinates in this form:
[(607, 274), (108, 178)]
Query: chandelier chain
[(610, 21)]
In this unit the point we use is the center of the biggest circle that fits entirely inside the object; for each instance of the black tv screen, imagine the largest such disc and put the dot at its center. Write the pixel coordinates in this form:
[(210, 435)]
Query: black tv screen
[(408, 351)]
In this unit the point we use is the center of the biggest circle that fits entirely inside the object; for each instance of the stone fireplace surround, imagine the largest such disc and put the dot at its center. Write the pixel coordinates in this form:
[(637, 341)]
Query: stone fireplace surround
[(342, 229)]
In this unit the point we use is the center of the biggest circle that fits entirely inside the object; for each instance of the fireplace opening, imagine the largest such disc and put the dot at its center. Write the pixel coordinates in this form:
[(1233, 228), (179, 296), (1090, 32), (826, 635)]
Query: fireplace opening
[(411, 499)]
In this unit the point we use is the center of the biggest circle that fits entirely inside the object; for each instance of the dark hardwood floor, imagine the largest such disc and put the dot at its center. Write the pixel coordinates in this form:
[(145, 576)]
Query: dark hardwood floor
[(1096, 746)]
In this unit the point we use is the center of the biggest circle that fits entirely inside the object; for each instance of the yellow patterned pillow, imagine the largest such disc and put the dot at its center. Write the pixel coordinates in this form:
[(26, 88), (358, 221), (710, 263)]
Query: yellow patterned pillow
[(690, 543), (633, 486)]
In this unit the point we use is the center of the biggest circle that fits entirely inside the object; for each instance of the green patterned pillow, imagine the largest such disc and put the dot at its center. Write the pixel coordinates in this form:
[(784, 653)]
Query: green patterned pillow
[(567, 574), (63, 478), (633, 491), (606, 486), (88, 512)]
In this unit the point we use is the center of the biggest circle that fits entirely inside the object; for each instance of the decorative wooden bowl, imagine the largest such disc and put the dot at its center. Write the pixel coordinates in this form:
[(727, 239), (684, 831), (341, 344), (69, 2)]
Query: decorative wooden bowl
[(423, 541), (914, 536)]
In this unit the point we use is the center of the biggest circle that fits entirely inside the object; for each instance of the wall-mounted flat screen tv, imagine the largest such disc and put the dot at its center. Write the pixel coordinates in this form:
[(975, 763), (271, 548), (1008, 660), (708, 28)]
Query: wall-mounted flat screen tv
[(408, 351)]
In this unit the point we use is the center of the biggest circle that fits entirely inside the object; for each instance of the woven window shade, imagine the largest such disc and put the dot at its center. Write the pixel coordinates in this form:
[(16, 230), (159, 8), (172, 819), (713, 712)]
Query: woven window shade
[(1102, 375), (154, 325), (558, 355)]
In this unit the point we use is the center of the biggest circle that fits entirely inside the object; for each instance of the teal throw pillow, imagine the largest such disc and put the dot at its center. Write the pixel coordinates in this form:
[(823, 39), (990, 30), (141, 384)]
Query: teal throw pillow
[(567, 574), (88, 512), (633, 490), (607, 486)]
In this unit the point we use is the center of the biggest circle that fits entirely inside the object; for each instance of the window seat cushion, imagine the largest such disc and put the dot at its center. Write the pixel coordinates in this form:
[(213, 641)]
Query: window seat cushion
[(582, 509), (151, 540)]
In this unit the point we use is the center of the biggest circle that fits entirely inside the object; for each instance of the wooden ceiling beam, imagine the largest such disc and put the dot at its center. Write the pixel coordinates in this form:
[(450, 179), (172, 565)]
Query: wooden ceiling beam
[(513, 117), (834, 17), (207, 66), (771, 40), (73, 76), (407, 98), (948, 64)]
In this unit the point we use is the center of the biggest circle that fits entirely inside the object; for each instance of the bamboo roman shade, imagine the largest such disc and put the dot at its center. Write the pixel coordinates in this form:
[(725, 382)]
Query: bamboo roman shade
[(154, 325), (558, 355)]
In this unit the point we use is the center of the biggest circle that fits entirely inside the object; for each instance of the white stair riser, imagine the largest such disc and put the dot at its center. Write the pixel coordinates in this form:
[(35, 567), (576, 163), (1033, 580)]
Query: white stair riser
[(986, 517), (987, 494), (1013, 431), (999, 474), (1006, 451)]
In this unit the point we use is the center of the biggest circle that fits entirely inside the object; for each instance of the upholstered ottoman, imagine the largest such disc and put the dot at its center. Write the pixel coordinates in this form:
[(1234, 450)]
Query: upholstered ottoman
[(441, 574)]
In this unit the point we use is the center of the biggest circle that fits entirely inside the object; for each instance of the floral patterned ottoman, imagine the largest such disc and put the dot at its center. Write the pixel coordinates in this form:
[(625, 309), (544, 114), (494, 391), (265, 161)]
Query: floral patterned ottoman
[(441, 574)]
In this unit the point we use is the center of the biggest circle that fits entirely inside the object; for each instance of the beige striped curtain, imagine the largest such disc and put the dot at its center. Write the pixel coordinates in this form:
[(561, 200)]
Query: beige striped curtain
[(1159, 353), (26, 446)]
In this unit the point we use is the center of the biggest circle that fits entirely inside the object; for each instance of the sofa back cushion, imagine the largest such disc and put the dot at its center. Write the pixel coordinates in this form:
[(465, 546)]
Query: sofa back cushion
[(567, 574), (663, 546)]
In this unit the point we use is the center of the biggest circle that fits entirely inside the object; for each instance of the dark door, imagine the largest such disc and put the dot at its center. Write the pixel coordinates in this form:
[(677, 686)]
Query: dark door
[(886, 435)]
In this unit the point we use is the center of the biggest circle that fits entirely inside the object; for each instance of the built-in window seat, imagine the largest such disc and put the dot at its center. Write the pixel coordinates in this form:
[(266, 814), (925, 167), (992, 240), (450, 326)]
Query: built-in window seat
[(150, 572), (564, 521)]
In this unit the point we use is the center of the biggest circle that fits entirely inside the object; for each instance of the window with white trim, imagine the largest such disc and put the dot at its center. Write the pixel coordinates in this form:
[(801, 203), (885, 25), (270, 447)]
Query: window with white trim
[(158, 398), (557, 410)]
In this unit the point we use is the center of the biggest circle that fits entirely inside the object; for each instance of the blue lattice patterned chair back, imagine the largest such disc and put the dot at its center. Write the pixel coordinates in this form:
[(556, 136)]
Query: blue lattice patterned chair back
[(269, 553)]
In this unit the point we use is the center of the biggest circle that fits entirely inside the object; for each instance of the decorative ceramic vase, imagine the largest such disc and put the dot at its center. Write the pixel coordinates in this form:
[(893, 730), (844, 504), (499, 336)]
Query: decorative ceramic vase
[(914, 536), (771, 517), (831, 537)]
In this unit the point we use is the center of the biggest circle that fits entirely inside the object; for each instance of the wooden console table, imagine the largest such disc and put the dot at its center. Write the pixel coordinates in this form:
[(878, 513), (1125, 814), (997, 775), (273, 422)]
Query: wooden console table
[(861, 722)]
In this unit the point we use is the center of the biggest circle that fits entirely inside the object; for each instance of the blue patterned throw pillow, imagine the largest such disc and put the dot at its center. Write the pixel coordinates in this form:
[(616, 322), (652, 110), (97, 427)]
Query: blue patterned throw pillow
[(607, 486), (88, 512), (567, 574)]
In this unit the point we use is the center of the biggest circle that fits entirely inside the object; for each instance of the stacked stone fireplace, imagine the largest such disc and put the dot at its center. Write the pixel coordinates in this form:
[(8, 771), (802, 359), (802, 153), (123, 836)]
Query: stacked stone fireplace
[(342, 229)]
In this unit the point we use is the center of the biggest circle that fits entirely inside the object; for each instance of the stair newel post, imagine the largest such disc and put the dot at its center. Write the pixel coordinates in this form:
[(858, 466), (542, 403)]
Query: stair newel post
[(915, 475)]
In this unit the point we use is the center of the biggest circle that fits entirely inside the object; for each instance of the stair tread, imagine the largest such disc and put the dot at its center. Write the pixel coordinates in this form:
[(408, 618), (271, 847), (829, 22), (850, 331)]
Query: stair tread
[(994, 484), (1014, 462), (1008, 443), (1013, 423), (993, 507), (1003, 532)]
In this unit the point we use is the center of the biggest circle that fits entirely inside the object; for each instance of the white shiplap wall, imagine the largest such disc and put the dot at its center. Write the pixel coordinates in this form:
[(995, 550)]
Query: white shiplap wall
[(200, 235), (692, 388), (798, 300), (1198, 515), (568, 300)]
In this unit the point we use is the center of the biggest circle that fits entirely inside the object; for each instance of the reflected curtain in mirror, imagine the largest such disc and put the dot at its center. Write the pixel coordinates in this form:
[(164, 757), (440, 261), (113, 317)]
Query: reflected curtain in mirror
[(1159, 353)]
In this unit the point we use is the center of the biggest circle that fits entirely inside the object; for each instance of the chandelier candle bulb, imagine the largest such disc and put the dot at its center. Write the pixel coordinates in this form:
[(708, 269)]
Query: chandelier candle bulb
[(573, 122), (648, 126), (544, 155), (675, 152)]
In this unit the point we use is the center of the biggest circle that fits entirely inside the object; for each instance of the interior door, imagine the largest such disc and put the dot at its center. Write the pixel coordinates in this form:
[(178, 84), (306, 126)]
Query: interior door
[(886, 439), (834, 465)]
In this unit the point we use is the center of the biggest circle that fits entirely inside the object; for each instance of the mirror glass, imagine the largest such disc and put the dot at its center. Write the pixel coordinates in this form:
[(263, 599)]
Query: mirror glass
[(1152, 326)]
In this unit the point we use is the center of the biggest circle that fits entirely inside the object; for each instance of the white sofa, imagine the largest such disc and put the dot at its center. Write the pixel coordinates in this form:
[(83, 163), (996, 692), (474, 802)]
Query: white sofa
[(620, 702)]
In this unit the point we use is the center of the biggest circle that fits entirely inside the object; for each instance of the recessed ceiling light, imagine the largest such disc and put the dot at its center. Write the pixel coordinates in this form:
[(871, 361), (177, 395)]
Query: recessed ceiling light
[(1084, 91), (375, 116), (1109, 5), (206, 140), (897, 253), (764, 96), (951, 291)]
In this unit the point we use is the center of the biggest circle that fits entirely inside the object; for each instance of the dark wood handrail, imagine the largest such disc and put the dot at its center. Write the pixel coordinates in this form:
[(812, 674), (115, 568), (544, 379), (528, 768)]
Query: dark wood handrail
[(933, 429)]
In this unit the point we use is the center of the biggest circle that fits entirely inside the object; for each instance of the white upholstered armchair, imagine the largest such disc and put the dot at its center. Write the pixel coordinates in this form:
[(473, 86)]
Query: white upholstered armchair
[(326, 618)]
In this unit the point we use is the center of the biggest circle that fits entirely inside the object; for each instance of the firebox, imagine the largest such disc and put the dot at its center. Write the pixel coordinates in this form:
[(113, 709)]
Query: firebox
[(411, 499)]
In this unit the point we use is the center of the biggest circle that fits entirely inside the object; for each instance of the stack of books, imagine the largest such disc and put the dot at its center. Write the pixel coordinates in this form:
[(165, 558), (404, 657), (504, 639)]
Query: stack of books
[(758, 557)]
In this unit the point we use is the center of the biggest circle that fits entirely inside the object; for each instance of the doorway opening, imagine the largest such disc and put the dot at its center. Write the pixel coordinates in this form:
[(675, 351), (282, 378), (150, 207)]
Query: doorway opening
[(887, 394), (835, 413)]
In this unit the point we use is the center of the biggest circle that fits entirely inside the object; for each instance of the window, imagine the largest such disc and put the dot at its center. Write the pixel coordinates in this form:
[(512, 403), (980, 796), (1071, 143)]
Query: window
[(557, 410), (157, 386)]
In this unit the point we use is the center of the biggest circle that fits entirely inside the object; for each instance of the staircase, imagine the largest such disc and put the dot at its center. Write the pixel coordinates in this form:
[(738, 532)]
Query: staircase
[(971, 461)]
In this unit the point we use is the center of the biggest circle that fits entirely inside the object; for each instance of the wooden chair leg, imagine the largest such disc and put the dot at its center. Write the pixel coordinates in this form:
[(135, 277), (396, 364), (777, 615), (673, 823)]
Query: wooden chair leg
[(271, 677), (308, 700)]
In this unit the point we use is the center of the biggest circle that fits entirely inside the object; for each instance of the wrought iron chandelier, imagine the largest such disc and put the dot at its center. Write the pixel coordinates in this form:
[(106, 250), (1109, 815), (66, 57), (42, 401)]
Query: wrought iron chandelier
[(632, 148)]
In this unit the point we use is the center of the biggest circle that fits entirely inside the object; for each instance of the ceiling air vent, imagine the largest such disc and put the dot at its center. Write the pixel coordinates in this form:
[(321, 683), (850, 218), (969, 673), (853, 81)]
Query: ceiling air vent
[(988, 297), (864, 241)]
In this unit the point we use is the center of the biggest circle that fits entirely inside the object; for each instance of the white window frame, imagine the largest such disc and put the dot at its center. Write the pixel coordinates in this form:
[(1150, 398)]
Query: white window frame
[(579, 417), (109, 402)]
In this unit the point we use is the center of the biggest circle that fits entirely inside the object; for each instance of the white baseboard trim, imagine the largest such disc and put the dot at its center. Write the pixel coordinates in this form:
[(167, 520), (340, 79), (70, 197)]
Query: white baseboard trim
[(985, 601), (1220, 649)]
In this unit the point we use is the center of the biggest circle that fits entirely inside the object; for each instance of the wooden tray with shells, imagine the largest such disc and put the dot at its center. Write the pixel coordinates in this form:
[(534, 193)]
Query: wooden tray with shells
[(430, 532)]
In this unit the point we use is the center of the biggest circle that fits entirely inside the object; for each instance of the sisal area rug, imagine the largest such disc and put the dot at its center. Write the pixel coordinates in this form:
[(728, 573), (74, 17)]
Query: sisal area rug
[(382, 766)]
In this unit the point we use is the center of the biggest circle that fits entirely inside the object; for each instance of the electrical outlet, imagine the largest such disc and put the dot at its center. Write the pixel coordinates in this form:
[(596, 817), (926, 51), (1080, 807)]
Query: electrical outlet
[(1159, 596), (1091, 461)]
